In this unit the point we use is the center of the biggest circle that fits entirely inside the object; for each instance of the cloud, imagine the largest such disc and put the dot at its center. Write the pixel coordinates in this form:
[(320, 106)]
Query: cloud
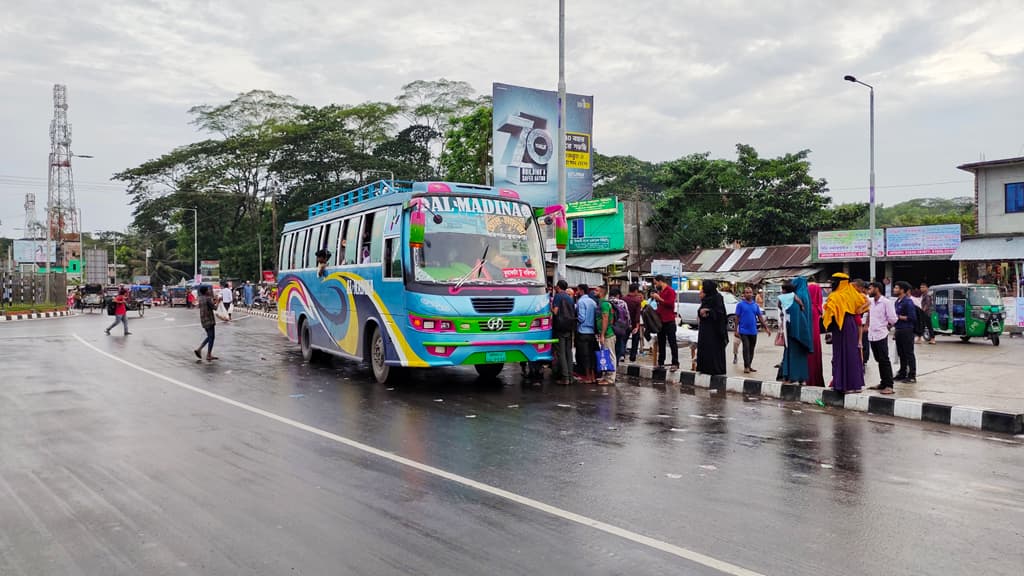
[(669, 78)]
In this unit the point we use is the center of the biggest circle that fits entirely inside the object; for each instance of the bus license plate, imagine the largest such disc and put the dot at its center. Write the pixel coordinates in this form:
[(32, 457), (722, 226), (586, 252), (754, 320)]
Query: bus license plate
[(495, 357)]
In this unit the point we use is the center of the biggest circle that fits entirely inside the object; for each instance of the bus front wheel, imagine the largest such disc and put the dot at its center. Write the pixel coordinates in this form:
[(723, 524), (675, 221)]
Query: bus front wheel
[(489, 371)]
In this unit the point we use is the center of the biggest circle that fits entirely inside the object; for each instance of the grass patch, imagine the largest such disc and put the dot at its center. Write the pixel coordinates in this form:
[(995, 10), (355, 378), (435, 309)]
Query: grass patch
[(21, 308)]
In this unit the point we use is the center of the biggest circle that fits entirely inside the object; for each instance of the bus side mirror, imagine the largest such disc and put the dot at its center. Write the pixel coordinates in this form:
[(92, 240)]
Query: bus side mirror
[(555, 214), (417, 223)]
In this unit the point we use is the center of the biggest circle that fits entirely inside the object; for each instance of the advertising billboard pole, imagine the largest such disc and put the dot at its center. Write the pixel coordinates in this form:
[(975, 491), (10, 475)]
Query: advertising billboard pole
[(560, 272)]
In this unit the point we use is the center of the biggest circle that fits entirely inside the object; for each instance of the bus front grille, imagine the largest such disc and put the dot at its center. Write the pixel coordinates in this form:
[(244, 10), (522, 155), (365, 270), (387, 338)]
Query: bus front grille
[(486, 326), (492, 305)]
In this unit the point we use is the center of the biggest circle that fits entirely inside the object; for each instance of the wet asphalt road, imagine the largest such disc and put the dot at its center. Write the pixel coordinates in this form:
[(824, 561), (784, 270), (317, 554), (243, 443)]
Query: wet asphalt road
[(106, 469)]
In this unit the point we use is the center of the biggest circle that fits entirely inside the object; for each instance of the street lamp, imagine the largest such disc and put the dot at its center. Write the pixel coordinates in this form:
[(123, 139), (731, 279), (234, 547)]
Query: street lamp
[(871, 203), (195, 241)]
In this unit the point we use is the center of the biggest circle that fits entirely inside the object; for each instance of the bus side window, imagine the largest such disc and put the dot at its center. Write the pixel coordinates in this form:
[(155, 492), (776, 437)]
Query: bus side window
[(392, 258), (376, 237), (312, 246), (284, 250), (339, 249), (365, 254), (352, 241), (293, 249)]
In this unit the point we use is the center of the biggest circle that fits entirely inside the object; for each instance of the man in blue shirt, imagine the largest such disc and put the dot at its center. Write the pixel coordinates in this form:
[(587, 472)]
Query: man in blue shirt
[(748, 314), (906, 321), (586, 339)]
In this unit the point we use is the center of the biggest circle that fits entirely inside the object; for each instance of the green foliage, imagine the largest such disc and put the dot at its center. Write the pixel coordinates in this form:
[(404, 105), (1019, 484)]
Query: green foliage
[(467, 156), (751, 200), (625, 177), (270, 158), (914, 212)]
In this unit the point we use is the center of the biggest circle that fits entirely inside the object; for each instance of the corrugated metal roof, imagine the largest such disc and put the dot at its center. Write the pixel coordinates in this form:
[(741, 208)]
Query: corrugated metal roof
[(1000, 248), (755, 258)]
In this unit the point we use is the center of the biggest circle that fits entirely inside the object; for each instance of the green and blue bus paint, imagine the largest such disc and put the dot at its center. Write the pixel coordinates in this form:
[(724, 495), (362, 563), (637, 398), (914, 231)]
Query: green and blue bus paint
[(420, 275)]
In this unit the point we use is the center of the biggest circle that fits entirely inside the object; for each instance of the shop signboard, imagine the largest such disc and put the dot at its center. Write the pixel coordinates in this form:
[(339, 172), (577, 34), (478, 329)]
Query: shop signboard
[(596, 226), (846, 244), (940, 240), (210, 270), (667, 268)]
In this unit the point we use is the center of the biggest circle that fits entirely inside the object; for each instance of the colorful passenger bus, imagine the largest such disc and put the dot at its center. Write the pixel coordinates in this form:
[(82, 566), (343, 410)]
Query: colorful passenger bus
[(419, 275)]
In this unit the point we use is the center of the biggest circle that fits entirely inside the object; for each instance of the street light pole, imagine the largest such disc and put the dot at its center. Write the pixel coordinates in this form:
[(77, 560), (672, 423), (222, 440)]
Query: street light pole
[(560, 146), (871, 201)]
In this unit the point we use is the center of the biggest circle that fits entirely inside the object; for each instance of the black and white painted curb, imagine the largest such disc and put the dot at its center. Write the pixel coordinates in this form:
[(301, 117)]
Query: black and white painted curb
[(913, 409), (262, 314), (15, 317)]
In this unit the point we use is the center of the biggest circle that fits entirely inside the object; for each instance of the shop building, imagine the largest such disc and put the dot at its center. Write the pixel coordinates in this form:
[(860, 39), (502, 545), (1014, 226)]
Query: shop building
[(995, 254)]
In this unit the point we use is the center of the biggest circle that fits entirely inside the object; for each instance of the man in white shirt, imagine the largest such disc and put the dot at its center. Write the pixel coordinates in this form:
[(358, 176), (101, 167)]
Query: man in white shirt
[(881, 316), (226, 296)]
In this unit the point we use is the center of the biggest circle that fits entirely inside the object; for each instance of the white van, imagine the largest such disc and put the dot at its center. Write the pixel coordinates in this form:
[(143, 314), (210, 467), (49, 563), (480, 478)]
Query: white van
[(688, 303)]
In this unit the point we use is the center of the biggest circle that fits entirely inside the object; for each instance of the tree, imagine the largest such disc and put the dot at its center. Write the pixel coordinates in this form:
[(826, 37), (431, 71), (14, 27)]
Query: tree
[(625, 177), (753, 201), (252, 111), (699, 204), (784, 204), (432, 103), (467, 154), (850, 216), (407, 155)]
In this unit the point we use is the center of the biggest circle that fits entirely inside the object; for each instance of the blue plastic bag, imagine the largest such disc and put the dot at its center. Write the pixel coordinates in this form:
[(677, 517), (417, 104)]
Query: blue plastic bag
[(605, 360)]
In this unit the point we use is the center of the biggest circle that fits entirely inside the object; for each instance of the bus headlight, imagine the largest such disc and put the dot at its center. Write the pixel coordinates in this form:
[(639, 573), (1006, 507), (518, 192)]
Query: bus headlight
[(542, 323), (431, 324)]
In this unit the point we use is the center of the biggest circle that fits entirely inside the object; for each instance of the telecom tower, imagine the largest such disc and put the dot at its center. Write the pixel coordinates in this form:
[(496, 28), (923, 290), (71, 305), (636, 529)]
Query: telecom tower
[(32, 226), (62, 224)]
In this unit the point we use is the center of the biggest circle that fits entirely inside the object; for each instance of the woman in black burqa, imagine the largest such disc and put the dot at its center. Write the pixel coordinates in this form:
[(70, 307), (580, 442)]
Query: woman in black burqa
[(712, 331)]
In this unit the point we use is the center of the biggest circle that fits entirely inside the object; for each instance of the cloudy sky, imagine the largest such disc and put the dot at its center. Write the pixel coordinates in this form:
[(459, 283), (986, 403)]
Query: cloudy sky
[(669, 77)]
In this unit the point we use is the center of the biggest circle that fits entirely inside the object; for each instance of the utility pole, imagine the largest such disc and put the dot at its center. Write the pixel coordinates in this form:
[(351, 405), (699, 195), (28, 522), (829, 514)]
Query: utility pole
[(560, 272)]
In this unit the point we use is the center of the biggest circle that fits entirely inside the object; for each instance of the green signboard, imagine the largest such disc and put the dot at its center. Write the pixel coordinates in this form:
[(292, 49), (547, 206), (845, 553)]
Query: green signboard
[(596, 226), (595, 207)]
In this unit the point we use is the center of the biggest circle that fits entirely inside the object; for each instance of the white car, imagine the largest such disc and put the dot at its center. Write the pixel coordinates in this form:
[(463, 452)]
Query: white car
[(688, 302)]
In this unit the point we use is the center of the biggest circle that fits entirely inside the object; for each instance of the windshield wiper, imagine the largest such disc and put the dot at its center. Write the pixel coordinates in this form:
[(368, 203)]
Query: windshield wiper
[(478, 268)]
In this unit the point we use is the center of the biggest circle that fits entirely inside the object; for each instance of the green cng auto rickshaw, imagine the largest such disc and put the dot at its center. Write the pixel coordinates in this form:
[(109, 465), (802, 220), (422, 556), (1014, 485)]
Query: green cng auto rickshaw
[(968, 311)]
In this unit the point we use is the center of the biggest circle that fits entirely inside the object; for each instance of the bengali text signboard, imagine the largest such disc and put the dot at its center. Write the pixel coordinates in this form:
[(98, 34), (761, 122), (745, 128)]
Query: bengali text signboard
[(845, 244), (941, 240)]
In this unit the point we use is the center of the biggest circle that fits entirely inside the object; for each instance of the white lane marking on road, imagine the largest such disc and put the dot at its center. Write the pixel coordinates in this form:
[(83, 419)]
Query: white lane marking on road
[(696, 557)]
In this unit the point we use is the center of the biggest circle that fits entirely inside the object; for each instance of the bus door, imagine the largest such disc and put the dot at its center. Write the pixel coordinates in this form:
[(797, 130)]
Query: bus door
[(386, 253)]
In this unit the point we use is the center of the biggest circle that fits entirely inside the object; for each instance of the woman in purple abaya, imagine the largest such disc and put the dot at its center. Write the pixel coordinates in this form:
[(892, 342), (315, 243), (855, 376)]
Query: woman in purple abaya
[(841, 309)]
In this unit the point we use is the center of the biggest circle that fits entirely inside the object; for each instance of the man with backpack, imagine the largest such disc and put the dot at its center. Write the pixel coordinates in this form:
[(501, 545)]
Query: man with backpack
[(622, 325), (634, 303), (563, 312), (605, 330)]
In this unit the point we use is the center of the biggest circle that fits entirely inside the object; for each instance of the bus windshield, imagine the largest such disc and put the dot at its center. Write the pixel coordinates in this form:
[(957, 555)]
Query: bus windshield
[(984, 296), (479, 242)]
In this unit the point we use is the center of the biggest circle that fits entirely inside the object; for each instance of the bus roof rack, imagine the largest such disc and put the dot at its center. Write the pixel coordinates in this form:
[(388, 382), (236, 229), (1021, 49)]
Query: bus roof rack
[(367, 192)]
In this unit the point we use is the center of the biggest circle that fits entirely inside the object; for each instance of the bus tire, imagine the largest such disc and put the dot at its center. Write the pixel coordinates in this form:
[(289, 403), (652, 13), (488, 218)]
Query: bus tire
[(382, 373), (305, 344), (489, 371)]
